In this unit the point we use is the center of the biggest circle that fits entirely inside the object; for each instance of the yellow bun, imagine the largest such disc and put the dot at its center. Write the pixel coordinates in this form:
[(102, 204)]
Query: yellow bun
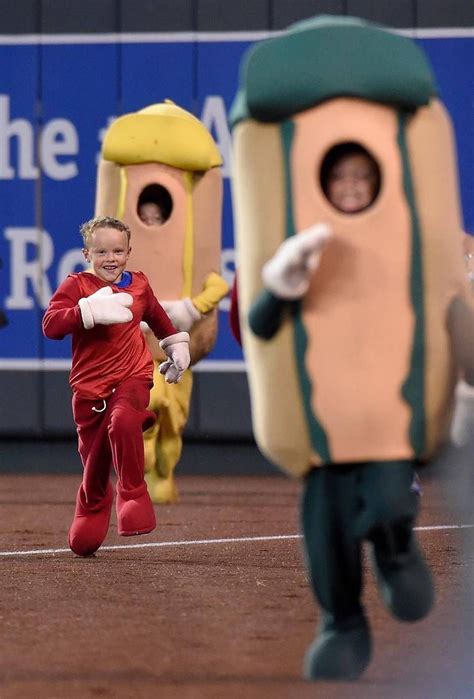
[(161, 133)]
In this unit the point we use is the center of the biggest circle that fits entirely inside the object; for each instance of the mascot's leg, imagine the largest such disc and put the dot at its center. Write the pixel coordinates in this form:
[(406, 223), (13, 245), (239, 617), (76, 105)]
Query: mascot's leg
[(95, 495), (390, 500), (342, 648), (150, 439), (163, 444), (128, 416), (157, 405)]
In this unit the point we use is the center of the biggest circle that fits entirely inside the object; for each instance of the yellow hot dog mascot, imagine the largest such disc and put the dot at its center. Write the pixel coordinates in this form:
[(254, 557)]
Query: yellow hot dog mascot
[(163, 157), (355, 313)]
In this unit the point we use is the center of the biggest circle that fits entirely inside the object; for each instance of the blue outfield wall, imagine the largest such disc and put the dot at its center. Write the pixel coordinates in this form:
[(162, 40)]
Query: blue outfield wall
[(57, 98)]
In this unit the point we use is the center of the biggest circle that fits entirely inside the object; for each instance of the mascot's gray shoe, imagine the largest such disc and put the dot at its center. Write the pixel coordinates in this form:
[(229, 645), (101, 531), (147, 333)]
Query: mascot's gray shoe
[(405, 583), (339, 653)]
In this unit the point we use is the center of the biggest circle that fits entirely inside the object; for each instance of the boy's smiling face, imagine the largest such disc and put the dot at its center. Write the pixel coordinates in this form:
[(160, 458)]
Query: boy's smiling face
[(108, 253)]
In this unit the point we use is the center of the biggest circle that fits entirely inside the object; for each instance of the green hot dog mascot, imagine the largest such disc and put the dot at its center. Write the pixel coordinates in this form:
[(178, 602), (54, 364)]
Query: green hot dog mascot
[(355, 311)]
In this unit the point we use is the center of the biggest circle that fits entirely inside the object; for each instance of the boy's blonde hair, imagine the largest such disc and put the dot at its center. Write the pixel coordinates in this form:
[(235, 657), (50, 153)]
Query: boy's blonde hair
[(88, 228)]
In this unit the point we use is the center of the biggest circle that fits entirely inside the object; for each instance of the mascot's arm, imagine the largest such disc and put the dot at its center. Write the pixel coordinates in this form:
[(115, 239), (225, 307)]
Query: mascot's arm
[(185, 312), (461, 329), (266, 314), (286, 277), (215, 288)]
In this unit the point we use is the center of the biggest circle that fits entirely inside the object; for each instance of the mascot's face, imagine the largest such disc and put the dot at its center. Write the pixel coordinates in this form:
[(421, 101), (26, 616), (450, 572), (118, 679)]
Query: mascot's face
[(151, 213), (351, 183), (363, 177)]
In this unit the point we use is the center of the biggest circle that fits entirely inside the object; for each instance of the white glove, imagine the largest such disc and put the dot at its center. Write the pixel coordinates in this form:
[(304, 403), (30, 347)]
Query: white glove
[(182, 313), (176, 347), (288, 273), (462, 426), (105, 308)]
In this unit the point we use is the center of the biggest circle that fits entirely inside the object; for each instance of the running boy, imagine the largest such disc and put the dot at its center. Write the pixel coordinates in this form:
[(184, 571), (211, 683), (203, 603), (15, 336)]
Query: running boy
[(111, 377)]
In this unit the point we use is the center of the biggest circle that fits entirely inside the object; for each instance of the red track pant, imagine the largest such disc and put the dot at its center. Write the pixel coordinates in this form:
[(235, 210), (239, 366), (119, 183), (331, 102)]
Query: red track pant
[(113, 437)]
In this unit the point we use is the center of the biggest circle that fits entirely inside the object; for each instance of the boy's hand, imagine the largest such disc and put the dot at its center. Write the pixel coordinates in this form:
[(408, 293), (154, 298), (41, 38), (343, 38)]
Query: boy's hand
[(462, 426), (105, 308), (176, 347), (182, 313), (288, 273)]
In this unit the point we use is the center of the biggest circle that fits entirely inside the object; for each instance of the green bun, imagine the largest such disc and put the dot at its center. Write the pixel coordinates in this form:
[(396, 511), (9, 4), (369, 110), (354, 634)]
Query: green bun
[(326, 57)]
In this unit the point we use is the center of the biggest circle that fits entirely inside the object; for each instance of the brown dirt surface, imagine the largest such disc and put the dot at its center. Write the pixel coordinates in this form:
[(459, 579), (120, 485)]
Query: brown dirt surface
[(210, 605)]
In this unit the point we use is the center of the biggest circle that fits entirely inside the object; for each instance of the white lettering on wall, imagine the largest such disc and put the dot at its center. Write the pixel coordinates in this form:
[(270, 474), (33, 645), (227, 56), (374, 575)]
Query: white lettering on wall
[(214, 118), (69, 263), (22, 131), (24, 271), (58, 138)]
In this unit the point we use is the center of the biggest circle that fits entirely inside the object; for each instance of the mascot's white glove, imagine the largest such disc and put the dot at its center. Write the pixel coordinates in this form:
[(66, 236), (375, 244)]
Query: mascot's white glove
[(288, 273), (462, 426), (176, 347), (105, 308), (182, 313)]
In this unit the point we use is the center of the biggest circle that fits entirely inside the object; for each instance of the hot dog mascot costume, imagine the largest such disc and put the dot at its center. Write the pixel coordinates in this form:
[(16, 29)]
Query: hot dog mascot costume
[(164, 155), (355, 327)]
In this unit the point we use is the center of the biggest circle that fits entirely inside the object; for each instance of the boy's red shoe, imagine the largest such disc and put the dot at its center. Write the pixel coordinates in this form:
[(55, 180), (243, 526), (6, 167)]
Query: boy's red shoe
[(90, 524), (135, 513)]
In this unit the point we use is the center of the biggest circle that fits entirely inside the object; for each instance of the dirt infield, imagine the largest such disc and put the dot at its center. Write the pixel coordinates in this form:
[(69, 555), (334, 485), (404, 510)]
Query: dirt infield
[(210, 605)]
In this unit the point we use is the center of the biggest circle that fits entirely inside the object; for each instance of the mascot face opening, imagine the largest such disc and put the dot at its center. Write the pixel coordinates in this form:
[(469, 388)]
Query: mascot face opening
[(350, 178), (154, 205)]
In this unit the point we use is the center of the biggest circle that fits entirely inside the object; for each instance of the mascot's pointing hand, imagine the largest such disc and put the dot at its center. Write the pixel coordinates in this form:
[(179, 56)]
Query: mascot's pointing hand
[(288, 273)]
